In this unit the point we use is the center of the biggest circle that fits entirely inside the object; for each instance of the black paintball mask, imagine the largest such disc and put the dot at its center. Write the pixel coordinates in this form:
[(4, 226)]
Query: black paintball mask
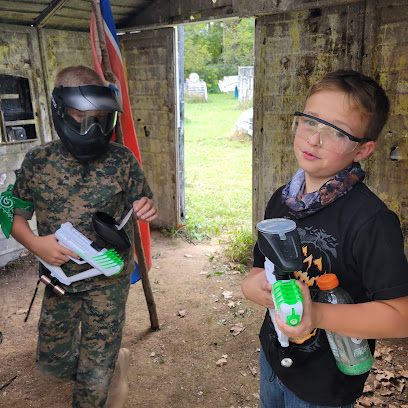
[(84, 118)]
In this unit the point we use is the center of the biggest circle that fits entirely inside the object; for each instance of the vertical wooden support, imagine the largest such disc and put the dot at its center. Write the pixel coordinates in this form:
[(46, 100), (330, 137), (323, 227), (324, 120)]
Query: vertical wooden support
[(151, 305)]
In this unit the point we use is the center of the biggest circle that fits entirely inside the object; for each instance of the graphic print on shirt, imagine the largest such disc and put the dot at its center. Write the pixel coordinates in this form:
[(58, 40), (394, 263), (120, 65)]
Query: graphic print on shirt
[(319, 250)]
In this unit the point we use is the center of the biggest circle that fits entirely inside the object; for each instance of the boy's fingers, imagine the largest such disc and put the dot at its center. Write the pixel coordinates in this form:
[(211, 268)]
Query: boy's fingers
[(137, 205), (68, 252), (149, 212)]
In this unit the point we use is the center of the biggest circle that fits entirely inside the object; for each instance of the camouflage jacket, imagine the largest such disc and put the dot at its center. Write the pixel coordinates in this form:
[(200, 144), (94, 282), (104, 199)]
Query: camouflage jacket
[(63, 189)]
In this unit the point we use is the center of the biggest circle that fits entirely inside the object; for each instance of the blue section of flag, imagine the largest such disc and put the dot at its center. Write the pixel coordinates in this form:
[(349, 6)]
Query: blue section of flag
[(135, 277), (108, 17)]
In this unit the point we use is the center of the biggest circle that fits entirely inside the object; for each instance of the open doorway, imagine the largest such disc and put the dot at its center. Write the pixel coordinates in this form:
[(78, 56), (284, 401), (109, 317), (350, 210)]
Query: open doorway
[(218, 89)]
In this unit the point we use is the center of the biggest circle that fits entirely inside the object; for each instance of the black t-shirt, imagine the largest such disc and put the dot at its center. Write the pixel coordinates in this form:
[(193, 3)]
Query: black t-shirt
[(360, 240)]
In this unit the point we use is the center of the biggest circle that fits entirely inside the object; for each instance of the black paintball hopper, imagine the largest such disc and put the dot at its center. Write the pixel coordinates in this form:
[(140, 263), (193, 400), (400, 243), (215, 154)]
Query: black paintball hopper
[(279, 241), (107, 232)]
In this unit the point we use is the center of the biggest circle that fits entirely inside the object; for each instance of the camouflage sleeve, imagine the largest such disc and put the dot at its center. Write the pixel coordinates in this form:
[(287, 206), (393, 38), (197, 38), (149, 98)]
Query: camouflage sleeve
[(137, 186), (21, 189)]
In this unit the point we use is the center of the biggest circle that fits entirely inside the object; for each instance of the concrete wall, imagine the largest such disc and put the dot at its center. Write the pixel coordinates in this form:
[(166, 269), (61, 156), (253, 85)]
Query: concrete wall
[(295, 48), (151, 72), (19, 56), (37, 55)]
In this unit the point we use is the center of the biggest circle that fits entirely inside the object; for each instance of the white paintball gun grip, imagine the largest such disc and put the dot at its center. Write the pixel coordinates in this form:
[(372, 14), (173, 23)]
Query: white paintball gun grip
[(106, 262)]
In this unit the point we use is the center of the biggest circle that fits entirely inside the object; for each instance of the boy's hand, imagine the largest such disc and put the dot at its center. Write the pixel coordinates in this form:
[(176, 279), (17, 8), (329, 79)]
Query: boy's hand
[(49, 250), (145, 209), (257, 288), (307, 324)]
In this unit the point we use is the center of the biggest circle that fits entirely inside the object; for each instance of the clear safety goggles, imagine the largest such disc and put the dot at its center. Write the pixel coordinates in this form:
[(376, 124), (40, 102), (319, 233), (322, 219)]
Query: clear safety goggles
[(332, 138), (81, 122)]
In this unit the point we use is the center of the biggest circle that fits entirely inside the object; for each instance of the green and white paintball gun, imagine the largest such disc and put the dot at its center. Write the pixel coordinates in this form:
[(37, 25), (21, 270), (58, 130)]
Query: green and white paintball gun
[(279, 241), (103, 261)]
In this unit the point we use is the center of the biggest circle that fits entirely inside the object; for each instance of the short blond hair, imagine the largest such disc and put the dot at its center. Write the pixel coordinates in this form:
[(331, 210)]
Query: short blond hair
[(78, 75)]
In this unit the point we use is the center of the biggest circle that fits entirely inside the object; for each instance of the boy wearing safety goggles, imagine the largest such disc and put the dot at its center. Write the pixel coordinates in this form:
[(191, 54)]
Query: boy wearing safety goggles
[(69, 180), (346, 230)]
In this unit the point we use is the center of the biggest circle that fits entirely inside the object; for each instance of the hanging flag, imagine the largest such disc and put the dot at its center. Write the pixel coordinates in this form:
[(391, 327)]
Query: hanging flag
[(126, 119)]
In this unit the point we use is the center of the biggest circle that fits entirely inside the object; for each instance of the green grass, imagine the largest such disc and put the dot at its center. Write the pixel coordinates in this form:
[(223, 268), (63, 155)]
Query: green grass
[(218, 168)]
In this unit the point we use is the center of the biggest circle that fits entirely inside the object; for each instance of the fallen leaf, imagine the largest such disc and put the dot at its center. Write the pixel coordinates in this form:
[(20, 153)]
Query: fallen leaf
[(384, 375), (365, 402), (221, 362), (237, 329), (231, 304), (227, 294), (400, 385), (252, 369), (386, 393), (377, 402), (385, 350), (388, 359), (234, 272)]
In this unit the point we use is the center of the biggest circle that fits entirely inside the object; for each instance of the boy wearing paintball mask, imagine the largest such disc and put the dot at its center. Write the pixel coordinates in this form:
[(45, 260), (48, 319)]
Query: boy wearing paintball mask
[(68, 180)]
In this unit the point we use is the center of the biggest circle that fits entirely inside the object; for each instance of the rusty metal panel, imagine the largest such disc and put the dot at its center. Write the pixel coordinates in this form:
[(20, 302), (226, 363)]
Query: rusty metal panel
[(292, 50), (149, 58)]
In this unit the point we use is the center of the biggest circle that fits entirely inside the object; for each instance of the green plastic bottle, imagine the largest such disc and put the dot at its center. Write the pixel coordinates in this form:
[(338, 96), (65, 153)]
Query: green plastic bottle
[(353, 356)]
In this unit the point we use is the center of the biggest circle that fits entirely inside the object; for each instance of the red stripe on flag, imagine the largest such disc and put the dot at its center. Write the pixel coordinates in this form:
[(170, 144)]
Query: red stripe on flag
[(126, 119)]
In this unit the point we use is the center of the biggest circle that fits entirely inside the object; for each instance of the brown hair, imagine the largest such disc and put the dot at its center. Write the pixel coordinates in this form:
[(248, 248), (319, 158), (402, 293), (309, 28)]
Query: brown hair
[(77, 75), (364, 92)]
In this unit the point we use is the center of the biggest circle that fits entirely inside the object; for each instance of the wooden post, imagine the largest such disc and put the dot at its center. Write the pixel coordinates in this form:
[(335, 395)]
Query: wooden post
[(151, 305)]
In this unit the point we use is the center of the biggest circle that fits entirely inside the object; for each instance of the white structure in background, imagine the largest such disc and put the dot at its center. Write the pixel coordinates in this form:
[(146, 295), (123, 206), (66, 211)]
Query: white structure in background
[(245, 121), (194, 87), (245, 84), (228, 84)]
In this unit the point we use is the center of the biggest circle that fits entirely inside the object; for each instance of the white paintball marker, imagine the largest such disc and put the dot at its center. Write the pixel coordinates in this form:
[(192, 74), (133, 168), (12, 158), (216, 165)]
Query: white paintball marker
[(279, 241), (103, 261)]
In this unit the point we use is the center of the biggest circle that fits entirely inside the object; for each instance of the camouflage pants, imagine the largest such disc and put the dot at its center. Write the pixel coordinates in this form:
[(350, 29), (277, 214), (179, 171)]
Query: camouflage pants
[(79, 339)]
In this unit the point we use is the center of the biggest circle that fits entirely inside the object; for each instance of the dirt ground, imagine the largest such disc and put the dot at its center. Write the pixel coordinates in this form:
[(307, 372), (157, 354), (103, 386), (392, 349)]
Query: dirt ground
[(203, 318)]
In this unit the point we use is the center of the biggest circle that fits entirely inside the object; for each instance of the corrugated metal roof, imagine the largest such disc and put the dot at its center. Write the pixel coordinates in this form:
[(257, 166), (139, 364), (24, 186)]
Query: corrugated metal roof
[(65, 14)]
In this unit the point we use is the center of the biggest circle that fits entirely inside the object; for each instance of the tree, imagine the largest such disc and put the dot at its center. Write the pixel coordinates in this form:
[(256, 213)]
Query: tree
[(238, 42), (216, 49)]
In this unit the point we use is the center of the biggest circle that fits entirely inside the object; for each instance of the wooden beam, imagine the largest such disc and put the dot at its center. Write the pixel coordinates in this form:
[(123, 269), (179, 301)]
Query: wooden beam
[(48, 12), (137, 238)]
